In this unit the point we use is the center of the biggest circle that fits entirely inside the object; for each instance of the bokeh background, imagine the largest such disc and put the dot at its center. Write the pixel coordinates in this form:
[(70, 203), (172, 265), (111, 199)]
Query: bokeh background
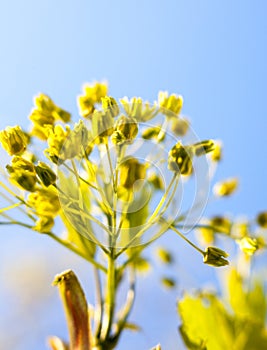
[(211, 52)]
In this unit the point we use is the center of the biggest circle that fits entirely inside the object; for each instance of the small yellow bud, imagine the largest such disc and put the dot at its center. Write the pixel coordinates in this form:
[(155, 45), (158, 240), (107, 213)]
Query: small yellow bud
[(168, 282), (248, 245), (125, 130), (226, 188), (215, 257), (45, 174), (262, 219), (165, 256), (180, 159), (45, 202), (170, 105), (44, 224), (153, 132), (221, 224), (216, 154), (203, 147), (110, 105), (130, 172), (13, 140), (22, 173)]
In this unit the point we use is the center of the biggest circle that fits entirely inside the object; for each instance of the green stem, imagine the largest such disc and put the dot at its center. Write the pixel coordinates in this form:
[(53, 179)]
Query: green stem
[(187, 240), (110, 297), (152, 217)]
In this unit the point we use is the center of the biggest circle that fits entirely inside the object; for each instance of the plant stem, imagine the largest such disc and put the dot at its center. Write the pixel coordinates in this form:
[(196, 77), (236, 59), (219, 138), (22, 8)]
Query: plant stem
[(187, 240), (110, 297)]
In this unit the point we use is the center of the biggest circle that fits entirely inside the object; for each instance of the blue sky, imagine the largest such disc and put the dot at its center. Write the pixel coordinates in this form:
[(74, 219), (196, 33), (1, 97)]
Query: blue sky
[(211, 52)]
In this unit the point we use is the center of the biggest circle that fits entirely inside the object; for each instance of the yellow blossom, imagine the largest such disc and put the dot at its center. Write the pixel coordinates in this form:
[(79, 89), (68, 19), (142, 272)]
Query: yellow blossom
[(139, 110), (44, 202), (170, 105), (92, 94), (226, 188), (13, 140)]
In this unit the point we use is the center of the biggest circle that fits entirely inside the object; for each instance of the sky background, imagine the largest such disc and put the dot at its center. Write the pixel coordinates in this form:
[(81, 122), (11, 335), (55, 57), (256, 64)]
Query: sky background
[(211, 52)]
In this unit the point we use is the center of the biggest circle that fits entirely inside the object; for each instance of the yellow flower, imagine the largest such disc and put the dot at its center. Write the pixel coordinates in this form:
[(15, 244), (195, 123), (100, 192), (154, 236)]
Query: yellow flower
[(130, 172), (92, 94), (226, 188), (110, 105), (215, 257), (170, 105), (125, 130), (139, 110), (13, 140), (56, 139), (216, 154), (180, 159), (45, 202), (44, 114), (154, 132), (248, 245), (165, 256), (22, 173), (221, 224), (44, 224), (203, 147), (45, 174)]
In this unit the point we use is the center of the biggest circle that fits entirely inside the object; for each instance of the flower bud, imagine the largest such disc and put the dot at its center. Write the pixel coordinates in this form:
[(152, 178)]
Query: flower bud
[(215, 257), (216, 154), (203, 147), (13, 140), (44, 224), (180, 159), (262, 219), (165, 256), (130, 171), (168, 282), (170, 105), (45, 174), (45, 202), (221, 224), (22, 173), (76, 309), (44, 103), (153, 132), (226, 188), (125, 130), (248, 245), (110, 105)]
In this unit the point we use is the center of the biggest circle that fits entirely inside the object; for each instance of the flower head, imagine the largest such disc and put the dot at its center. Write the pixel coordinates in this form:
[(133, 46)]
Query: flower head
[(215, 257), (170, 105), (13, 140)]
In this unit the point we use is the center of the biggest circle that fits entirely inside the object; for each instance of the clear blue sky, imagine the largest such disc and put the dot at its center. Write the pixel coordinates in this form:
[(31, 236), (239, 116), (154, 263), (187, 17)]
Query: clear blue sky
[(212, 52)]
